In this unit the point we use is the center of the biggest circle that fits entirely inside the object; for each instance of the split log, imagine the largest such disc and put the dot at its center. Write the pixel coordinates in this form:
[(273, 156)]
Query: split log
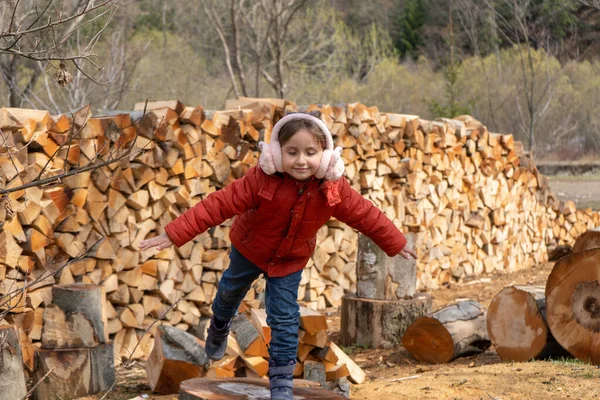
[(379, 323), (381, 277), (176, 357), (516, 324), (75, 372), (243, 388), (356, 374), (12, 376), (573, 304), (248, 337), (84, 299), (454, 331)]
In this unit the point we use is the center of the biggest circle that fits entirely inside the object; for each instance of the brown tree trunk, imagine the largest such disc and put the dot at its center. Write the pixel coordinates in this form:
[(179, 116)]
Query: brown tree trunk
[(381, 277), (451, 332), (12, 377), (243, 388), (379, 323), (75, 372), (516, 323), (573, 304)]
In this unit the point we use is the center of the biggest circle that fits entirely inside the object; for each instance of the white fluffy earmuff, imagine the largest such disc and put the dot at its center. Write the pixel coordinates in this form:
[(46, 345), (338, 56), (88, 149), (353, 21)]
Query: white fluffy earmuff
[(271, 160)]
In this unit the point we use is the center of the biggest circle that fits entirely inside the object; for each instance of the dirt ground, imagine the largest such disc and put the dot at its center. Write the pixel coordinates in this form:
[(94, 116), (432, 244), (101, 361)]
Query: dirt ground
[(483, 376)]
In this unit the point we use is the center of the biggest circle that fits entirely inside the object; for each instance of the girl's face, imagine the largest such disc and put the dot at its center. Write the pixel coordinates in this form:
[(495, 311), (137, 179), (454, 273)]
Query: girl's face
[(302, 155)]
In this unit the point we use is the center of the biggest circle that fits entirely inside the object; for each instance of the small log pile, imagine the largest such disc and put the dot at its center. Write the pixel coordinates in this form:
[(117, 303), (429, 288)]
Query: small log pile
[(525, 322), (178, 356), (473, 199)]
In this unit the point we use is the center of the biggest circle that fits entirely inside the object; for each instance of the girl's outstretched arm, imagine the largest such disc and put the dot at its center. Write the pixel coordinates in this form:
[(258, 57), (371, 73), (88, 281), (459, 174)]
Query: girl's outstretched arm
[(160, 241), (234, 199), (364, 216)]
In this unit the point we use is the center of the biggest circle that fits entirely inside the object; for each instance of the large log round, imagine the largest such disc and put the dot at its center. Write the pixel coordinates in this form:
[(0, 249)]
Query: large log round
[(573, 304), (586, 241), (454, 331), (516, 323), (379, 323), (243, 389)]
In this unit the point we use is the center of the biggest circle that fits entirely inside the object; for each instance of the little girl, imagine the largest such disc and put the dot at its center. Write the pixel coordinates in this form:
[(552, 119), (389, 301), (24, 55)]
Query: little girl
[(281, 204)]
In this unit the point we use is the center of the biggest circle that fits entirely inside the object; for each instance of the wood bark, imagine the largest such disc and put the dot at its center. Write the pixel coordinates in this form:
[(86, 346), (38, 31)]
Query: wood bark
[(75, 372), (573, 304), (379, 323), (454, 331), (586, 241), (248, 337), (84, 299), (12, 376), (243, 389), (176, 357), (516, 324), (381, 277)]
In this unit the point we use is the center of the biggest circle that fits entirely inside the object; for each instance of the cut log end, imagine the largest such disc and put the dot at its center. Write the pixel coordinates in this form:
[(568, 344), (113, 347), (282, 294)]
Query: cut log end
[(243, 389), (427, 340), (586, 305), (516, 325), (573, 304)]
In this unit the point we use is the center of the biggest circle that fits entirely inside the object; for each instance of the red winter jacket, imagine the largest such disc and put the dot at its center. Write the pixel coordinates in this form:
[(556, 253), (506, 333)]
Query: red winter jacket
[(278, 218)]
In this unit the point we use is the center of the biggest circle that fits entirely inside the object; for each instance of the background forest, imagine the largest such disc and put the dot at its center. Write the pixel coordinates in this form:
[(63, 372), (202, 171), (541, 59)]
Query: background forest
[(528, 67)]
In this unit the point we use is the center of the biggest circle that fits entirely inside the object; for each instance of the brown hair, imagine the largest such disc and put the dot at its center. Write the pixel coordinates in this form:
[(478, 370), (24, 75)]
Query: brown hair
[(290, 128)]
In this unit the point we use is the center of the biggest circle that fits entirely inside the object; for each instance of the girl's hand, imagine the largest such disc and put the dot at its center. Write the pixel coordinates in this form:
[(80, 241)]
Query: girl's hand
[(408, 253), (160, 241)]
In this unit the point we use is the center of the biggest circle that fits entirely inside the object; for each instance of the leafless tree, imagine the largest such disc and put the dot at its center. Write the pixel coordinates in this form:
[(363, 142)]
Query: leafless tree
[(514, 27), (269, 38), (591, 3), (38, 34)]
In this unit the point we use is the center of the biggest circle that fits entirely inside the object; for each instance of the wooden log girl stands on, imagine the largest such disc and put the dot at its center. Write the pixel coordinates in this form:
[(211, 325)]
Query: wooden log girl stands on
[(280, 205)]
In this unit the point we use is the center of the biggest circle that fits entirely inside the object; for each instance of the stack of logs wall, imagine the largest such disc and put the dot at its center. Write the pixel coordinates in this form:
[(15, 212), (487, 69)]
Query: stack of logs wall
[(474, 200)]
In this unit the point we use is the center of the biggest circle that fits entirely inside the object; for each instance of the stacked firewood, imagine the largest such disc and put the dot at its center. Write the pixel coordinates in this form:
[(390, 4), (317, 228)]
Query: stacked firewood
[(178, 356), (474, 200)]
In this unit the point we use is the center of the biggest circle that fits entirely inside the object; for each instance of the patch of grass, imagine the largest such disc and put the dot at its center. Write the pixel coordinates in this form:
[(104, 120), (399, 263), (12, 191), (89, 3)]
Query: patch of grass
[(567, 361), (353, 348)]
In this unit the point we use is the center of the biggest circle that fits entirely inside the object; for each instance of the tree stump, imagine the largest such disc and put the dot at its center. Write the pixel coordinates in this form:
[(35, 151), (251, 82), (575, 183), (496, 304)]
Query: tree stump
[(12, 377), (75, 372), (176, 357), (379, 323), (516, 323), (381, 277), (454, 331), (573, 304), (84, 299), (243, 389)]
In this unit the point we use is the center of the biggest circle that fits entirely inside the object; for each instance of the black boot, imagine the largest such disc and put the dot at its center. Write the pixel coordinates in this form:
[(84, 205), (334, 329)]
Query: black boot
[(216, 340), (281, 379)]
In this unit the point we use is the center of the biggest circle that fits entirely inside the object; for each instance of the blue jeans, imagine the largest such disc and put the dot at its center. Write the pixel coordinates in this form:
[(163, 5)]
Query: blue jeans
[(283, 312)]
